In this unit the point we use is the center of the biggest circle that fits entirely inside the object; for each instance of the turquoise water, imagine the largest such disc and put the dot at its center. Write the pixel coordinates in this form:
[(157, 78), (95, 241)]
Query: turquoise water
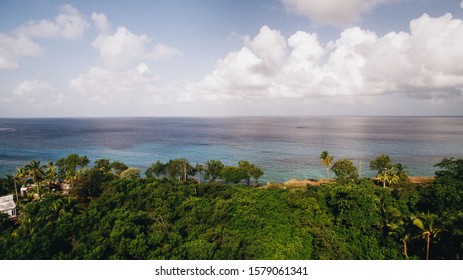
[(284, 147)]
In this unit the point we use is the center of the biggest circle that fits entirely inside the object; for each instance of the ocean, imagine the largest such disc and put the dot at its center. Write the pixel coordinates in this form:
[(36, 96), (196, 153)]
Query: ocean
[(284, 147)]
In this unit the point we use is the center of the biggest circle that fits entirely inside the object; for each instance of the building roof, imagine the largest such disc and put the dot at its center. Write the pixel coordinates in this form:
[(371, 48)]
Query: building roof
[(7, 203)]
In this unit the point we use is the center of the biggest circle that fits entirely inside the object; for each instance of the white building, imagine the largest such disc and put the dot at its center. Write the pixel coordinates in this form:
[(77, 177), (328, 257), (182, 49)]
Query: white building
[(7, 205)]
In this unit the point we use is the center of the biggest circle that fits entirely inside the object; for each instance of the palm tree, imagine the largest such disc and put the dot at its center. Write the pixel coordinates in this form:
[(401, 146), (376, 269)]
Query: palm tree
[(404, 229), (198, 169), (71, 177), (36, 172), (453, 224), (326, 160), (51, 173), (389, 176), (21, 176), (426, 222)]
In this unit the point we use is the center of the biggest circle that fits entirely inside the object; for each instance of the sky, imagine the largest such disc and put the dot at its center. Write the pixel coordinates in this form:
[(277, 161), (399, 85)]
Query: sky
[(231, 58)]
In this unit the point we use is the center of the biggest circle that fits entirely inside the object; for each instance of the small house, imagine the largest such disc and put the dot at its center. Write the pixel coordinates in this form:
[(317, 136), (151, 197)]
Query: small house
[(7, 205)]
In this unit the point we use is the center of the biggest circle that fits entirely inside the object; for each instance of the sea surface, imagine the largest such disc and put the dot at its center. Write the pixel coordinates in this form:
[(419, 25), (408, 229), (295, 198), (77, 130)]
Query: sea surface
[(284, 147)]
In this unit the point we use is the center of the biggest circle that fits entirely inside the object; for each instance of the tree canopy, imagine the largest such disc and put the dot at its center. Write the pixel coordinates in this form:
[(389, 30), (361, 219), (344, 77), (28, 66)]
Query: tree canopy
[(345, 171), (380, 163), (105, 216)]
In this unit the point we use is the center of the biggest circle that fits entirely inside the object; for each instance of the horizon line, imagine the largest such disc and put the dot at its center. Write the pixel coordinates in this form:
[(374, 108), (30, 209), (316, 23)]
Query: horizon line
[(236, 116)]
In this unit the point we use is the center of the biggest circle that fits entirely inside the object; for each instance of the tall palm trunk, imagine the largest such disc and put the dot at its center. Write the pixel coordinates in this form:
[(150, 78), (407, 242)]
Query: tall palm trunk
[(384, 179), (428, 241), (405, 249), (35, 179), (38, 190), (17, 197)]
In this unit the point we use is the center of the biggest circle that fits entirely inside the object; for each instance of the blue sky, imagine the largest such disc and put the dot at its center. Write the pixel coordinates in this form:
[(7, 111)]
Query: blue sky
[(229, 58)]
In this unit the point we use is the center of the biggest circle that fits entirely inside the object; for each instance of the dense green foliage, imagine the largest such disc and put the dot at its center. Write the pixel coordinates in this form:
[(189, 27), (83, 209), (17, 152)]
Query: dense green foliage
[(109, 216), (345, 172)]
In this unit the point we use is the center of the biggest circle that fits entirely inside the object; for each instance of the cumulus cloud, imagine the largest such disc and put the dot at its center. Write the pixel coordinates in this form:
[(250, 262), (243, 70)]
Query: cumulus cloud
[(69, 24), (123, 47), (111, 87), (37, 93), (332, 12), (424, 59), (270, 45), (124, 77), (418, 63), (12, 48), (235, 76), (101, 22)]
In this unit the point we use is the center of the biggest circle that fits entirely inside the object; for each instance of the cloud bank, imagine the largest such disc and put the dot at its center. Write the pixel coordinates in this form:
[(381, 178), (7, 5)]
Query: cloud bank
[(420, 63), (269, 70), (124, 76), (37, 93), (13, 48), (120, 78), (123, 47), (114, 87), (68, 25)]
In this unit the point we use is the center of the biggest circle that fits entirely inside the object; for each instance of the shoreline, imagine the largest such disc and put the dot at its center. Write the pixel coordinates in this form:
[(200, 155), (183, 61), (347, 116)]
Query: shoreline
[(304, 183)]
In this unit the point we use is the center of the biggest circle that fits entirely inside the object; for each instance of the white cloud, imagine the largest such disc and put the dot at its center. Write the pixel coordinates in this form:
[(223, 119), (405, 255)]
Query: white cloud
[(124, 83), (35, 93), (248, 72), (12, 48), (353, 68), (124, 48), (101, 22), (68, 25), (307, 50), (422, 60), (461, 4), (332, 12), (121, 48), (270, 46), (111, 87), (236, 76)]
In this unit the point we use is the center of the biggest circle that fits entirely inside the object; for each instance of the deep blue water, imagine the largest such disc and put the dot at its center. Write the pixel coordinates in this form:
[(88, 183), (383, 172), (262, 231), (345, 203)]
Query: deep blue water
[(284, 147)]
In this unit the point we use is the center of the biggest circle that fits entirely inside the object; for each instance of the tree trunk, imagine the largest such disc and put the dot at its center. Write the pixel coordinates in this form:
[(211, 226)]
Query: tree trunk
[(428, 241), (184, 170), (38, 191), (384, 179), (405, 250), (17, 197)]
